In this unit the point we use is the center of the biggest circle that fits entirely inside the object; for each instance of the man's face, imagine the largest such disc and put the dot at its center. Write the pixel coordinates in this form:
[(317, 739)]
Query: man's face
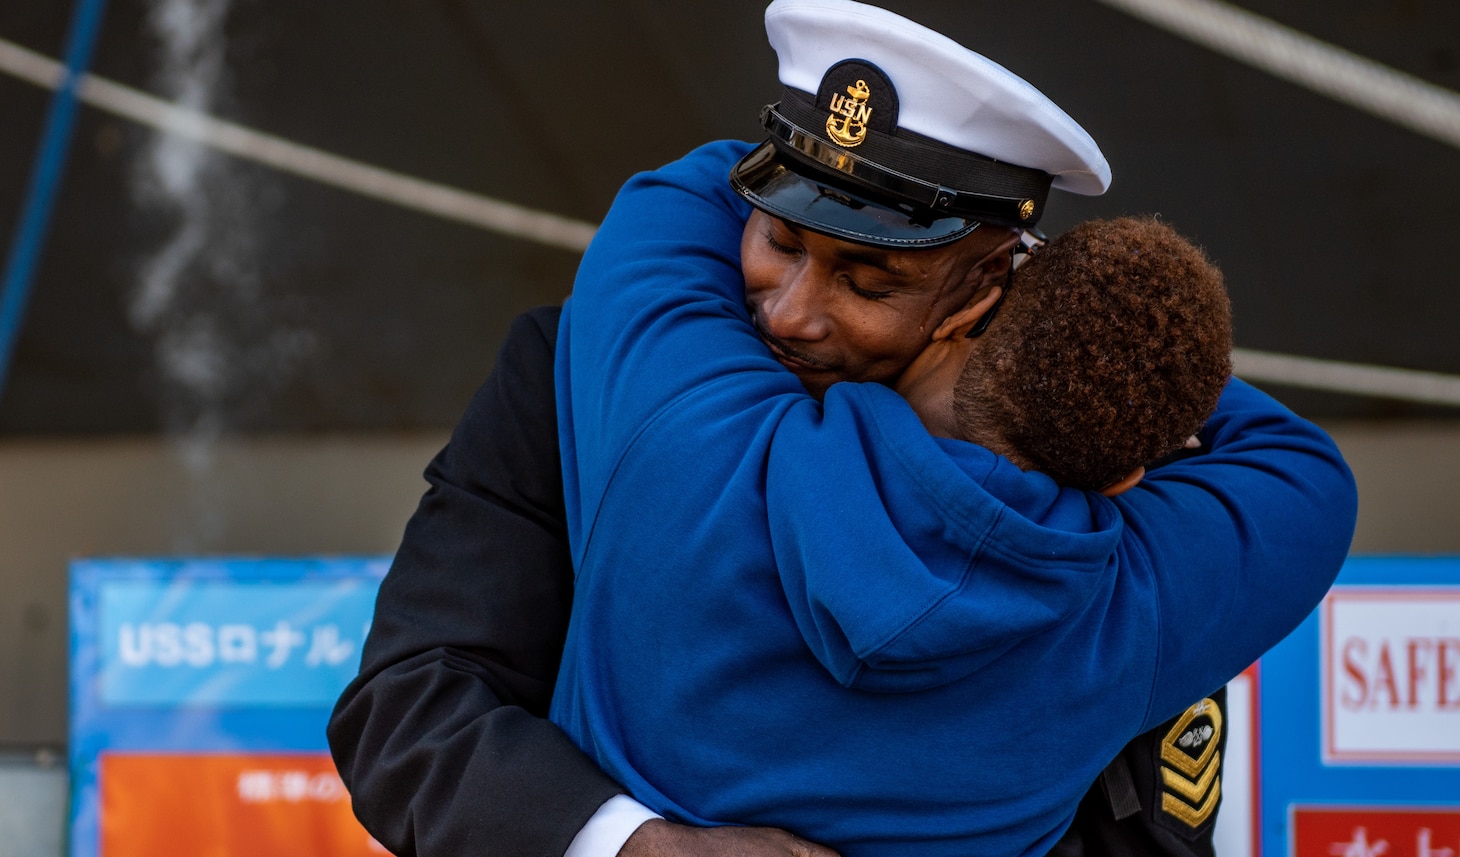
[(831, 310)]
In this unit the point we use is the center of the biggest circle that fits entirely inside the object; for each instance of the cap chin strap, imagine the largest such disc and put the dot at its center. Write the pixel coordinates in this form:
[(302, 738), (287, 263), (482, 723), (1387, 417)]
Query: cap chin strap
[(1030, 239)]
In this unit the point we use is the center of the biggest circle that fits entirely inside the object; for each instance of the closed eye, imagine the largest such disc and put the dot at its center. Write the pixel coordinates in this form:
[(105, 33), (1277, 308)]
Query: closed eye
[(860, 292), (778, 247)]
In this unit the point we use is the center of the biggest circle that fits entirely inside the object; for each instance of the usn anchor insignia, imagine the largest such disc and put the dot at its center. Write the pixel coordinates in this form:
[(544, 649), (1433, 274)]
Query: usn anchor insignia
[(847, 124)]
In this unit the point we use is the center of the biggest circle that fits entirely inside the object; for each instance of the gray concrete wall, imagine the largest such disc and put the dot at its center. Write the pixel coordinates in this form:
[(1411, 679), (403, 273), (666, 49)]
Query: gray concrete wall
[(352, 495), (1409, 482)]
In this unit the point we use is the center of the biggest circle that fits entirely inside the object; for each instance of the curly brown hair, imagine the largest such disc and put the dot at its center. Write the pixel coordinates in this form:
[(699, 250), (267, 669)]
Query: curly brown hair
[(1111, 348)]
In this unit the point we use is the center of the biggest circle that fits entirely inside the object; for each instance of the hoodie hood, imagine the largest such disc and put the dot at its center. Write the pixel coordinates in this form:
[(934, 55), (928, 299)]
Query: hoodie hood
[(930, 577)]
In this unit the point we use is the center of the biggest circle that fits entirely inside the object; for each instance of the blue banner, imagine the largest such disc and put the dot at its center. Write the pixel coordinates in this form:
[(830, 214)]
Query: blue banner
[(195, 682), (1360, 717)]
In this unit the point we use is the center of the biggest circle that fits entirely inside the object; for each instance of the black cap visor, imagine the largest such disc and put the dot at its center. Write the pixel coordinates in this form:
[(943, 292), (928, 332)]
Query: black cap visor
[(786, 186)]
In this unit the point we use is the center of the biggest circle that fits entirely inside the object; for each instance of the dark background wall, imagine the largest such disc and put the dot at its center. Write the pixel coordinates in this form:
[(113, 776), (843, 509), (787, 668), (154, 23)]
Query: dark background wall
[(245, 299)]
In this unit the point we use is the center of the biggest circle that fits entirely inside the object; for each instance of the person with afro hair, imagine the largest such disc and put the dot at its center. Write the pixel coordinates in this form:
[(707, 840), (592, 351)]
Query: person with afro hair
[(1112, 345)]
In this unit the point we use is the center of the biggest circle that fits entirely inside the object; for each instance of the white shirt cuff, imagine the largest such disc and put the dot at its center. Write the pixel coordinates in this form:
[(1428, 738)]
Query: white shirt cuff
[(610, 827)]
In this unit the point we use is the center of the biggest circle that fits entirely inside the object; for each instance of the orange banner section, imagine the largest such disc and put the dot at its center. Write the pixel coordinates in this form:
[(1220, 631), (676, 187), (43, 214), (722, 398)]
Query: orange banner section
[(221, 805)]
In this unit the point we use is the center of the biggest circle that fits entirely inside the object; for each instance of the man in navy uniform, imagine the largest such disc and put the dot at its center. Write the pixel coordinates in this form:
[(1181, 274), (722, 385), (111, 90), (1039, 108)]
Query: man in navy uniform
[(441, 738)]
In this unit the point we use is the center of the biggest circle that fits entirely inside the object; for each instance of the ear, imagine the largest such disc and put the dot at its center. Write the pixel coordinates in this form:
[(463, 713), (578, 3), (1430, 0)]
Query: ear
[(962, 321), (994, 268), (989, 277), (1125, 483)]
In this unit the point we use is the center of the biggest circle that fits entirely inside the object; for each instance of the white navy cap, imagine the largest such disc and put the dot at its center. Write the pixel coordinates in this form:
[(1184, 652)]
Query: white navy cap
[(888, 133)]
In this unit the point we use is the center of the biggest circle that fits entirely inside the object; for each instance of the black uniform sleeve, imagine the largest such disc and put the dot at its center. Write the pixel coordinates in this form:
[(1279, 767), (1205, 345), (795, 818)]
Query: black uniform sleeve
[(1160, 796), (442, 739)]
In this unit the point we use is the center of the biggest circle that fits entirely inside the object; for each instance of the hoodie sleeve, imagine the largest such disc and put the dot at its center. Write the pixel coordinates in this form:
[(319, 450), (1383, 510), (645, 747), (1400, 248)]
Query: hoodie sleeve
[(1239, 544), (903, 573), (657, 313)]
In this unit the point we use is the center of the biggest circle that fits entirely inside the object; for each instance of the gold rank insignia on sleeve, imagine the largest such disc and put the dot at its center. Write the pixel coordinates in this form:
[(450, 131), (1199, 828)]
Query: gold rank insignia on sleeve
[(1191, 765)]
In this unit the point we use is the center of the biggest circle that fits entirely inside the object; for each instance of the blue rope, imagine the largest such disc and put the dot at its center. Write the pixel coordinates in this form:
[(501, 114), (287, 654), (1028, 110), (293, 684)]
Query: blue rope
[(45, 180)]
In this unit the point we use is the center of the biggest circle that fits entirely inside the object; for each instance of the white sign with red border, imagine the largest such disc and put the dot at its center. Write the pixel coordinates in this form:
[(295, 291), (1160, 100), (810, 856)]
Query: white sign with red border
[(1391, 675)]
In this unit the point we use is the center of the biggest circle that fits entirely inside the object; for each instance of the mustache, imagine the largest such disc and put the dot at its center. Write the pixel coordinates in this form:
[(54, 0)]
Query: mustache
[(779, 345)]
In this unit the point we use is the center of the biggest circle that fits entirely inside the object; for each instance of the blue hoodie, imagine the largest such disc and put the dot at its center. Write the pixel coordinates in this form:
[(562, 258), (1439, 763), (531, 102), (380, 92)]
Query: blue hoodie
[(821, 618)]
